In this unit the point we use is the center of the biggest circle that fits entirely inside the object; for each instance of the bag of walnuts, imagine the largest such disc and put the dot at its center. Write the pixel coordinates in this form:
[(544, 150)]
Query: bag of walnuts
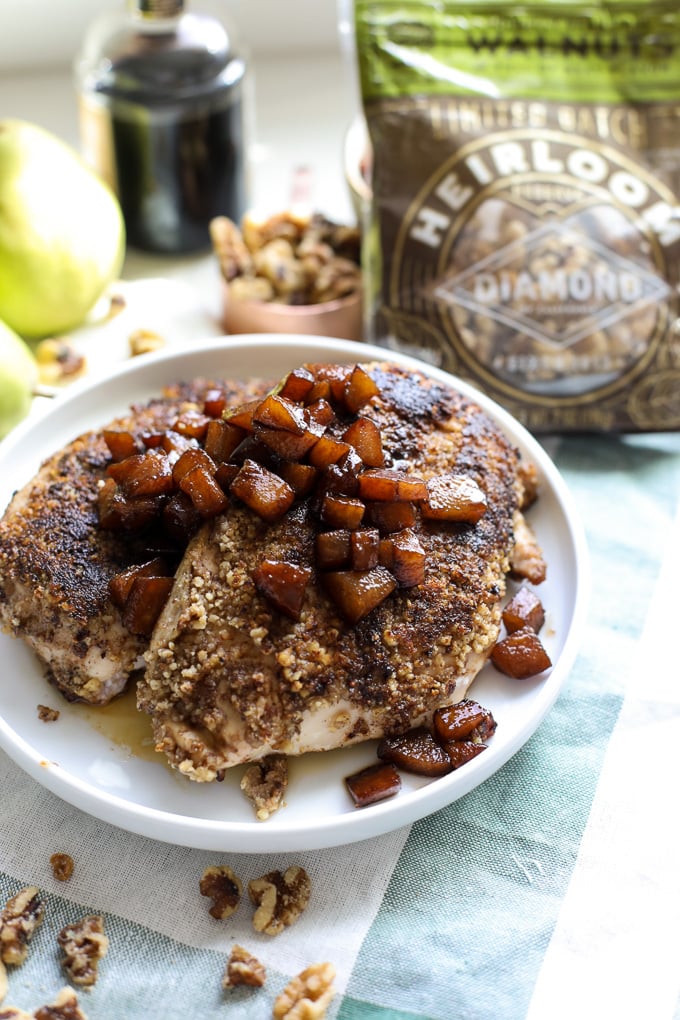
[(525, 221)]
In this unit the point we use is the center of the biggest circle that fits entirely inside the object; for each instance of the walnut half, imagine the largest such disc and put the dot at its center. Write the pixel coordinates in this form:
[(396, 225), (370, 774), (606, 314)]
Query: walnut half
[(84, 944), (19, 920), (308, 995), (223, 887), (279, 898)]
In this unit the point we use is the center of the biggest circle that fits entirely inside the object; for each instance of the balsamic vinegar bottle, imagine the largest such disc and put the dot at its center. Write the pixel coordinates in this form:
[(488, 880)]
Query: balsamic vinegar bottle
[(161, 93)]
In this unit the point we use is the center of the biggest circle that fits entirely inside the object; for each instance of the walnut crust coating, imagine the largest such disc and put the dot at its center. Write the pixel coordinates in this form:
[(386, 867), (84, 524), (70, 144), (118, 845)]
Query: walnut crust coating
[(56, 563), (229, 679)]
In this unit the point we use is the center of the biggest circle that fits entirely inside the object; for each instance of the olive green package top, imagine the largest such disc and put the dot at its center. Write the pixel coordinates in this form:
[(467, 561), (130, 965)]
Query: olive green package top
[(525, 227)]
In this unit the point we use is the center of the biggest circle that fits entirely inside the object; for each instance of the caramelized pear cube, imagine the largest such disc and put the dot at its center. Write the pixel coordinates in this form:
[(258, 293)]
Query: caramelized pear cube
[(276, 412), (332, 549), (452, 497), (221, 439), (462, 751), (118, 513), (192, 424), (204, 491), (190, 459), (520, 654), (335, 376), (364, 435), (524, 609), (300, 477), (288, 445), (357, 592), (120, 442), (143, 474), (120, 585), (214, 403), (283, 584), (319, 413), (145, 603), (408, 559), (391, 517), (262, 491), (242, 416), (416, 751), (456, 722), (359, 390), (342, 512), (373, 784), (297, 385), (172, 442), (364, 546), (327, 451), (386, 485)]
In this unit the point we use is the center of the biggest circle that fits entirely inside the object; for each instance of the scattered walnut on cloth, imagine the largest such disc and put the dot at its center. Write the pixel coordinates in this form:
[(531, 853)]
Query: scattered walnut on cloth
[(84, 944), (242, 969), (64, 1007), (280, 899), (223, 887), (308, 995), (19, 919)]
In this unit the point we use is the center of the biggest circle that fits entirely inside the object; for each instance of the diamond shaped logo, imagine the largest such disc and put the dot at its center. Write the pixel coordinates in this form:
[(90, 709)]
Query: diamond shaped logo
[(556, 284)]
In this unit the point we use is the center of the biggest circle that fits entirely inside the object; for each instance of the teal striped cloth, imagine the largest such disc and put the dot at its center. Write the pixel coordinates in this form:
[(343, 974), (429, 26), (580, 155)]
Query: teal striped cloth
[(552, 891)]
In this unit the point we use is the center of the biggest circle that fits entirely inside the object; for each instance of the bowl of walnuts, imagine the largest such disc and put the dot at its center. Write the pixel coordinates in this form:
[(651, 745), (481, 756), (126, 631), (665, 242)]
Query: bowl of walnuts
[(289, 273)]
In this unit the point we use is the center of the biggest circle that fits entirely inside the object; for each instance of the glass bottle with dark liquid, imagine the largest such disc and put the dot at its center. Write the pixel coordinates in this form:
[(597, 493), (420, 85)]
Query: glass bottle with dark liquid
[(162, 120)]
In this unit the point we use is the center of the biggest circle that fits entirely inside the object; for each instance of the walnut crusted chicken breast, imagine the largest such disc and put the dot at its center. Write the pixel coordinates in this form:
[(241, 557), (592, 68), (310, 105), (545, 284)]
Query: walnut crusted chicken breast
[(230, 678), (56, 562)]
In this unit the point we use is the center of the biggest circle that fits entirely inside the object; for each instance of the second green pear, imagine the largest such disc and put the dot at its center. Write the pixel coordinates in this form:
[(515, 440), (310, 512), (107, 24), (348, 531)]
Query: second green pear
[(18, 376)]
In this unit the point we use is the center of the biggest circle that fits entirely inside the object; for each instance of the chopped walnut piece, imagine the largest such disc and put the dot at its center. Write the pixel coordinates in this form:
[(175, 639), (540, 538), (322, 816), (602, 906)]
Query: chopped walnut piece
[(62, 866), (19, 919), (64, 1007), (117, 304), (222, 886), (144, 341), (84, 944), (308, 995), (280, 899), (47, 714), (243, 969), (58, 361), (264, 784), (12, 1013)]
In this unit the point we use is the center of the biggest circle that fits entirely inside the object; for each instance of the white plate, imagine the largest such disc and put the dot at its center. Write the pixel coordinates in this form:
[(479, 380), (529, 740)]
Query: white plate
[(87, 768)]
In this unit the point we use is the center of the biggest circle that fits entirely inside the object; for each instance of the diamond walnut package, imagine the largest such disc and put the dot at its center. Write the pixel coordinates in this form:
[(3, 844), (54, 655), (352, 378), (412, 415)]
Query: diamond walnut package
[(533, 246)]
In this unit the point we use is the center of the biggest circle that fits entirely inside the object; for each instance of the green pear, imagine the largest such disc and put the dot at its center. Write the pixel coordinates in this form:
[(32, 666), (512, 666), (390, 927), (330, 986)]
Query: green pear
[(62, 238), (18, 376)]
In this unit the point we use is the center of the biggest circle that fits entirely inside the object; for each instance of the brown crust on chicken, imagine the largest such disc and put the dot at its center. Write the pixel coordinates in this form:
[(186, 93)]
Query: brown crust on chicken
[(56, 563), (229, 679)]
